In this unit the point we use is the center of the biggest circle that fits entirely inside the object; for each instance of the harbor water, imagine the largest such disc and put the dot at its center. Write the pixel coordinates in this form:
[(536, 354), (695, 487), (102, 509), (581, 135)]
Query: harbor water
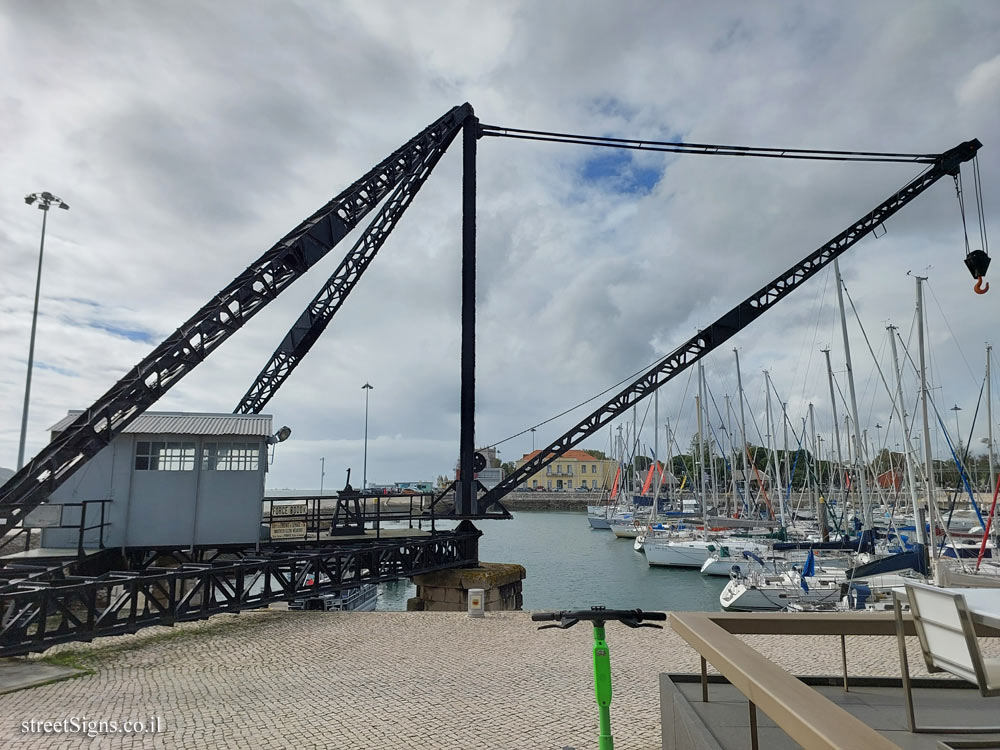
[(571, 566)]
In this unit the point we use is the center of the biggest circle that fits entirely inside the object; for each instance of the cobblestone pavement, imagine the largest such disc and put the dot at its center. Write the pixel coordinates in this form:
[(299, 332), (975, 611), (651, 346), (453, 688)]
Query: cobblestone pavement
[(300, 680)]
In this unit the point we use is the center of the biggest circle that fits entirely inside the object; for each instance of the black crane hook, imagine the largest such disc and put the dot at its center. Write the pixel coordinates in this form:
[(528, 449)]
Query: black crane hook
[(977, 262)]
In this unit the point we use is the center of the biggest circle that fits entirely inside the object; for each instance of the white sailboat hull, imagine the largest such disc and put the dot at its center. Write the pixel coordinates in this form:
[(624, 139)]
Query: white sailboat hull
[(626, 531), (679, 554)]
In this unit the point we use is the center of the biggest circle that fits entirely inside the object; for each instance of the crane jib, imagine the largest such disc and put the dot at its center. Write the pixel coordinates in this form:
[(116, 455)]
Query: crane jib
[(733, 321)]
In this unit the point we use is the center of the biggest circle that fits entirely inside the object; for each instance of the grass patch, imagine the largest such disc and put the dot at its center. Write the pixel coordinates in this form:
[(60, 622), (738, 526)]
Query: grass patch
[(107, 648), (71, 659)]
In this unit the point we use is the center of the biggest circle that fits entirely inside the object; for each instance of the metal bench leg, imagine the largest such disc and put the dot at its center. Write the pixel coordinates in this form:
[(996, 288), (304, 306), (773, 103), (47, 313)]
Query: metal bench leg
[(843, 660), (704, 680)]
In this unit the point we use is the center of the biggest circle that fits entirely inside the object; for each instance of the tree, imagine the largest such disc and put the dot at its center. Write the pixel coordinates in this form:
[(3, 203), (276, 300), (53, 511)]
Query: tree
[(508, 468), (642, 463), (596, 454)]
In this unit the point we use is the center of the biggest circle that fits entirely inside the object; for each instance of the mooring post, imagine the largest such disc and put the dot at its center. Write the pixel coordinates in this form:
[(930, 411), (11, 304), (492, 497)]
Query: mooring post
[(465, 495)]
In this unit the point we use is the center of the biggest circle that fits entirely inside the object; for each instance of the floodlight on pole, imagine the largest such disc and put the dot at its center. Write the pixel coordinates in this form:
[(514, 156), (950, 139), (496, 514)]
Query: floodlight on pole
[(45, 201), (364, 471)]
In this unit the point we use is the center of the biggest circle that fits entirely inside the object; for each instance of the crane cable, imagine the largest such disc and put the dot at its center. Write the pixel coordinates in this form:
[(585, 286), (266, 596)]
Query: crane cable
[(708, 149), (978, 260)]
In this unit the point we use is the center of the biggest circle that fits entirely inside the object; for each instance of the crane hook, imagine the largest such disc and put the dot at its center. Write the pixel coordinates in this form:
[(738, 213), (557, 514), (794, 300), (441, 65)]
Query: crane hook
[(981, 287)]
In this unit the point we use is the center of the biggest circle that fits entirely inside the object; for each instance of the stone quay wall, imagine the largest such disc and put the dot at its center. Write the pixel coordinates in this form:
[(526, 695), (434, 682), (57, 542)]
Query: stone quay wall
[(448, 590)]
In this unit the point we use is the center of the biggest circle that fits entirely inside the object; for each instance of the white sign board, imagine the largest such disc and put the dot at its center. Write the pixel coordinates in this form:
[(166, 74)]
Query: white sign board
[(288, 529), (45, 516)]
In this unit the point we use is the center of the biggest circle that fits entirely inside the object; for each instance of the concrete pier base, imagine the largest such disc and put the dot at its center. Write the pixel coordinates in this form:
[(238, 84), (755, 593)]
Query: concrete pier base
[(448, 590)]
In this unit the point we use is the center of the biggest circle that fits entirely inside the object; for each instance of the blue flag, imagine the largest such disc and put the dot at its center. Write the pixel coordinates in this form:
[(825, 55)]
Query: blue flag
[(809, 569)]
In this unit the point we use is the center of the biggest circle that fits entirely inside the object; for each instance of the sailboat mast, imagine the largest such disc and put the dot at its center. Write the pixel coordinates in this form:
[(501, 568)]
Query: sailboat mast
[(656, 430), (732, 454), (989, 417), (815, 462), (670, 464), (907, 458), (707, 424), (743, 432), (700, 465), (635, 450), (770, 447), (928, 456), (788, 464), (836, 424), (866, 509)]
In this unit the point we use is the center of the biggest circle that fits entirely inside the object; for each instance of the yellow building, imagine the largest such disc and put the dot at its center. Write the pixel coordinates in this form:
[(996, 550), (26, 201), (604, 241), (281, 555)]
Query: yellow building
[(574, 470)]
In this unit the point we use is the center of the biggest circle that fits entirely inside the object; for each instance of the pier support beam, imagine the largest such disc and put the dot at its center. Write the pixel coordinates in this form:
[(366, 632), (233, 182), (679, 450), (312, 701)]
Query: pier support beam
[(448, 590)]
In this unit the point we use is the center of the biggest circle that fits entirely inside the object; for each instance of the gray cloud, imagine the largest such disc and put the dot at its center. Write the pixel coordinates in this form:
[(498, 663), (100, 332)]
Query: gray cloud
[(189, 137)]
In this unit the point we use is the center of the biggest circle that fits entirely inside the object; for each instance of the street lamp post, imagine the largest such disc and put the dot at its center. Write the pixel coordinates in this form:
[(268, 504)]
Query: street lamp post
[(958, 435), (364, 471), (532, 439), (45, 201)]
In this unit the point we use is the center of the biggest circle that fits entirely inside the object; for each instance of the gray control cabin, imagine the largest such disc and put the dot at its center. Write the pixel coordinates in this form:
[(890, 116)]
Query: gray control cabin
[(174, 480)]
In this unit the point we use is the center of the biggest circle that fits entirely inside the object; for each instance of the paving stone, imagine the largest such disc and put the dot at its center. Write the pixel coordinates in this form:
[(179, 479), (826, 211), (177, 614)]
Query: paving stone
[(422, 680)]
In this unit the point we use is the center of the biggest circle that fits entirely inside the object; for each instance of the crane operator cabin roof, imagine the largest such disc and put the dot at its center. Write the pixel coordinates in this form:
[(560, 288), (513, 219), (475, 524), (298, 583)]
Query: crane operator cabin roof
[(187, 423)]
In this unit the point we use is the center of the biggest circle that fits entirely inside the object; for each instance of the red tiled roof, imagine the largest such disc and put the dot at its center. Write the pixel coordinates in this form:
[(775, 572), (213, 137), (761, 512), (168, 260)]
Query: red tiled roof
[(570, 454)]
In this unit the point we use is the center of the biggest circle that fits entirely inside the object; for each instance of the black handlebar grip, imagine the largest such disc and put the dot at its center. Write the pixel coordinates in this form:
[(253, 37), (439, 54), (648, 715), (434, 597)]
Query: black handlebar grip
[(654, 615), (544, 616)]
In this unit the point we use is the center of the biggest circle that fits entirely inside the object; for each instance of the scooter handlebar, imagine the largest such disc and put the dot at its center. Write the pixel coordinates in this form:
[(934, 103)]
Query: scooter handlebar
[(599, 613)]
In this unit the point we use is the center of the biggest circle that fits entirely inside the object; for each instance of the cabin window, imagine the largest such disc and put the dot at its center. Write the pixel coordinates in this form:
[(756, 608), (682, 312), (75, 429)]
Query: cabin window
[(163, 456), (230, 457)]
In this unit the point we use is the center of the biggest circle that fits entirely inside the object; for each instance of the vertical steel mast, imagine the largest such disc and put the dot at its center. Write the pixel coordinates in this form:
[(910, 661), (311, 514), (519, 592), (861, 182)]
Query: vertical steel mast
[(465, 495), (859, 452), (911, 479), (932, 514)]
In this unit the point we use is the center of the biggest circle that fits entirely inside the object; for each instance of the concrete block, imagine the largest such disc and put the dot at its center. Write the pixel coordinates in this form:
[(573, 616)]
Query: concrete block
[(501, 583)]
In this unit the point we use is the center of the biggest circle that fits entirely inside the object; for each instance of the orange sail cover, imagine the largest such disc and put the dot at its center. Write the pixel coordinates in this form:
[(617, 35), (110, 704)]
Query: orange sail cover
[(649, 480)]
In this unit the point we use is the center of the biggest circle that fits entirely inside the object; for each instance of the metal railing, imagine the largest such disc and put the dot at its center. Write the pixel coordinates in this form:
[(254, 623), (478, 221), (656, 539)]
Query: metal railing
[(373, 508), (25, 530), (810, 719)]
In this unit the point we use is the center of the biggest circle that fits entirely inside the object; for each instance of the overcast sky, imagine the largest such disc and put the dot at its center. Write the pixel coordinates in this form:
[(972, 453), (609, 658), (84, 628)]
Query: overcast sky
[(188, 137)]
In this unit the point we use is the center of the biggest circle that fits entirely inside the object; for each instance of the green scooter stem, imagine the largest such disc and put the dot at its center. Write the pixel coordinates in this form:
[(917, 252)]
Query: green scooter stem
[(602, 686)]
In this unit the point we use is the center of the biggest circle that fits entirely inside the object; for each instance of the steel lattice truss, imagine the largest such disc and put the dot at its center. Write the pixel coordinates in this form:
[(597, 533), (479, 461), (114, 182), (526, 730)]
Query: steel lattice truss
[(733, 321), (36, 616), (226, 313), (314, 319)]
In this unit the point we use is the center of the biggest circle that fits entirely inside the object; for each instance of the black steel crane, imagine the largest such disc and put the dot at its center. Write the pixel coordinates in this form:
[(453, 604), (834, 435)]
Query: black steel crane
[(736, 319), (402, 174)]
